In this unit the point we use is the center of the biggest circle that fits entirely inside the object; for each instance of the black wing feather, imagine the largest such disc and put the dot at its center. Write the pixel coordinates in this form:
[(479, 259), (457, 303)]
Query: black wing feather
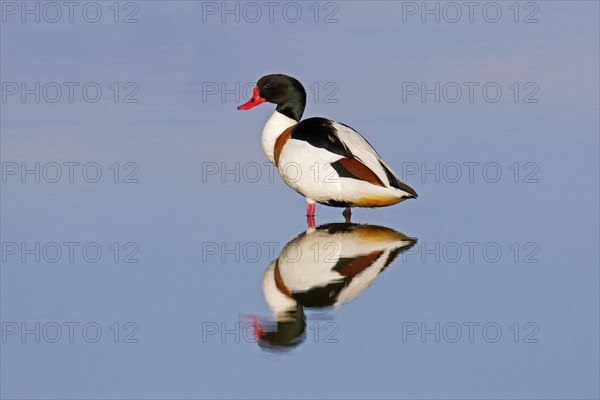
[(320, 132)]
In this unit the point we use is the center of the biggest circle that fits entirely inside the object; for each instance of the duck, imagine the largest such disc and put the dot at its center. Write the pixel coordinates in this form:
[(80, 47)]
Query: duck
[(327, 162), (323, 267)]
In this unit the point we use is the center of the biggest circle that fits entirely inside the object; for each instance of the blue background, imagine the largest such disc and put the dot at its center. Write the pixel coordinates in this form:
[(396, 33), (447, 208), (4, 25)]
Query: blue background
[(171, 54)]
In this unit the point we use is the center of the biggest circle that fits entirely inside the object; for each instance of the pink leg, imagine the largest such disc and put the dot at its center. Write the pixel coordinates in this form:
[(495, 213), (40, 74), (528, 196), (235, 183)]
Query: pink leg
[(310, 216), (347, 214)]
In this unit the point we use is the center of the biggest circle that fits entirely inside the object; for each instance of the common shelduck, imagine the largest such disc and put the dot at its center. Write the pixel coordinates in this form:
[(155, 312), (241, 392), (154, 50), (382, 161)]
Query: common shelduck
[(325, 161), (325, 266)]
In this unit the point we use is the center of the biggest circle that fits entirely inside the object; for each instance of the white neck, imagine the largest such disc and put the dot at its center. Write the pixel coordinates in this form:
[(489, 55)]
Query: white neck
[(273, 128)]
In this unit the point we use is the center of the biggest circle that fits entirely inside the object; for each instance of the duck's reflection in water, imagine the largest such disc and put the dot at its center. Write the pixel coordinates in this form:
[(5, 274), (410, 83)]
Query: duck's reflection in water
[(325, 266)]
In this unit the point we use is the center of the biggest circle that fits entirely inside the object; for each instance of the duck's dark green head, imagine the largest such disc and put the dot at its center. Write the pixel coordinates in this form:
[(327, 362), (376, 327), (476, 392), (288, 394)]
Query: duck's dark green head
[(285, 91)]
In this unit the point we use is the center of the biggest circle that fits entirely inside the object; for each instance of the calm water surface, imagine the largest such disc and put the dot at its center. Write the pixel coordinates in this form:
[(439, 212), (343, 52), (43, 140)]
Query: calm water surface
[(150, 270)]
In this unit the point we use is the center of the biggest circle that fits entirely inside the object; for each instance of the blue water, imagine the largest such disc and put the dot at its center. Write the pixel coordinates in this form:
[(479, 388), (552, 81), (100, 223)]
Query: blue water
[(190, 217)]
